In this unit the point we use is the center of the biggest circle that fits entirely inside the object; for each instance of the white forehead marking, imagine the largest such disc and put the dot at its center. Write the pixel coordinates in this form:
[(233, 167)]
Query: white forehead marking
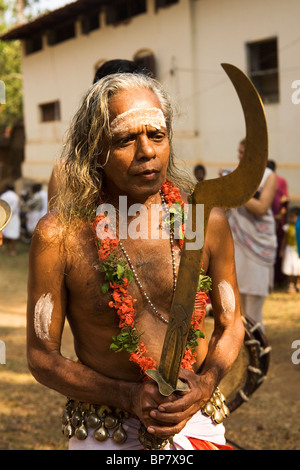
[(136, 116), (42, 316), (227, 296)]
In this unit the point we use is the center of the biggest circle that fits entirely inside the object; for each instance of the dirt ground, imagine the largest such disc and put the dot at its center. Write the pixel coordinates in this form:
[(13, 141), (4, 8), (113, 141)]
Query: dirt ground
[(30, 413)]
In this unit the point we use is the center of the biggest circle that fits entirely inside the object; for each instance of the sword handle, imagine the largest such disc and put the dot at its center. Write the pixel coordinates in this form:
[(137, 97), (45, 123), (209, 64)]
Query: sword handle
[(164, 387)]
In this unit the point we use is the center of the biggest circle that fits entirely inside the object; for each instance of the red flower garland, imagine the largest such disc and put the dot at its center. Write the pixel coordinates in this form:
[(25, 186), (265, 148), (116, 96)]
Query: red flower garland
[(123, 303)]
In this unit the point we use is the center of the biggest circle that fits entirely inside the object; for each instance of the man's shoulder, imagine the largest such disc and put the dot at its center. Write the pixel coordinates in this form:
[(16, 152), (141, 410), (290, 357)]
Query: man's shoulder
[(218, 226), (218, 216), (53, 232), (49, 229), (219, 237)]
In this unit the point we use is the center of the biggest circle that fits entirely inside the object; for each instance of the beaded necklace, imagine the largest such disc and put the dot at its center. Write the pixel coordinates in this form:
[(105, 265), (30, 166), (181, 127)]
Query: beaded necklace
[(120, 273), (139, 284)]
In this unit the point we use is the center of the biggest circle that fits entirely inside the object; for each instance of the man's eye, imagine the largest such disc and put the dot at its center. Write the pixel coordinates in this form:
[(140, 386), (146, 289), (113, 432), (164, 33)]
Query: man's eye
[(125, 140), (157, 136)]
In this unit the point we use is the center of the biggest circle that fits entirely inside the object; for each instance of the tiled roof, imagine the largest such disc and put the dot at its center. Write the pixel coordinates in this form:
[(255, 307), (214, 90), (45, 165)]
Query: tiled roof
[(48, 20)]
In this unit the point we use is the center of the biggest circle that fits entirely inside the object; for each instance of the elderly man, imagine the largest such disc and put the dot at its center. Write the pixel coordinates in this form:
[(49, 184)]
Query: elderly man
[(116, 288)]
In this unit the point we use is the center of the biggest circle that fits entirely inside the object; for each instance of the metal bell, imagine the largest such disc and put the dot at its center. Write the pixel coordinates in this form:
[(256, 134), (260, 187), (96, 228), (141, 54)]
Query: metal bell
[(218, 402), (208, 409), (81, 432), (225, 410), (65, 417), (218, 417), (93, 421), (68, 431), (119, 435), (76, 418), (110, 421), (101, 434)]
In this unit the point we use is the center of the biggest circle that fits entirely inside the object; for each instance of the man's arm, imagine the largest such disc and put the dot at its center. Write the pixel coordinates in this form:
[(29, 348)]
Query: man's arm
[(46, 312), (259, 207), (228, 334)]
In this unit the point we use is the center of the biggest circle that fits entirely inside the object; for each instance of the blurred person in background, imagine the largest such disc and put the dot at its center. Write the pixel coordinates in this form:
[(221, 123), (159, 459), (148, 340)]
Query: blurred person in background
[(200, 172), (254, 235), (280, 209), (34, 207), (11, 232), (289, 252)]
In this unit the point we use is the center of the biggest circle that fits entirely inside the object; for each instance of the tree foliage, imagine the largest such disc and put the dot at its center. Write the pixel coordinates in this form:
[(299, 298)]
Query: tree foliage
[(10, 61), (10, 72)]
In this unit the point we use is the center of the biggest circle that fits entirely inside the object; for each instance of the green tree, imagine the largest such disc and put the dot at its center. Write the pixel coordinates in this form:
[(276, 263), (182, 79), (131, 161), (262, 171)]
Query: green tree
[(10, 72), (12, 12)]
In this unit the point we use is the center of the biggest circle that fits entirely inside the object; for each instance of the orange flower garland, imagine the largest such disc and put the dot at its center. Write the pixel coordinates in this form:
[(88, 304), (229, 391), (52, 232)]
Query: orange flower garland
[(117, 279)]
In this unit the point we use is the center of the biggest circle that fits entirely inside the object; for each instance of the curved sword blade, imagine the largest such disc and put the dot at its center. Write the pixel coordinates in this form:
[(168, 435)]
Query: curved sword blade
[(236, 188)]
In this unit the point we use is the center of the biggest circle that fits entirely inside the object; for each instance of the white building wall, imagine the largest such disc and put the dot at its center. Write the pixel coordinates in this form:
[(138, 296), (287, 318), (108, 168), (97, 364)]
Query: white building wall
[(224, 28), (189, 41), (65, 71)]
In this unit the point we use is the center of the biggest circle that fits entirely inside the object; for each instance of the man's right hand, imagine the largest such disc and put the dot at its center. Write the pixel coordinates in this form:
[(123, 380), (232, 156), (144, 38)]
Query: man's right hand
[(145, 398)]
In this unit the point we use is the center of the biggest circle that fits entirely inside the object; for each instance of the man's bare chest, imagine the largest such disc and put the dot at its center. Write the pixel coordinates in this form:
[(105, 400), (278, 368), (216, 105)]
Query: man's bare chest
[(152, 263)]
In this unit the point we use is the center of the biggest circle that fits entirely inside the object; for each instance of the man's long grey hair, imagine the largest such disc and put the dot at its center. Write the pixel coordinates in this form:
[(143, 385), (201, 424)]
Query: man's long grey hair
[(79, 175)]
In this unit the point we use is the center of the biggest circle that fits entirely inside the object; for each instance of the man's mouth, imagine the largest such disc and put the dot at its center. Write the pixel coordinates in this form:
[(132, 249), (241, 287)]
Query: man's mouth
[(148, 173)]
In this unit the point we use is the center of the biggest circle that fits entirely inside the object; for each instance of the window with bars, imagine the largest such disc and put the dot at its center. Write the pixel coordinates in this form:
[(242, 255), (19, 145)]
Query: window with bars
[(164, 3), (62, 33), (50, 111), (90, 22), (33, 44), (123, 10), (263, 68)]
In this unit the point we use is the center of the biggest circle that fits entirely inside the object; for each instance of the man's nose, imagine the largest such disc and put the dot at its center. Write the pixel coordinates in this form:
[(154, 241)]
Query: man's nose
[(145, 148)]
